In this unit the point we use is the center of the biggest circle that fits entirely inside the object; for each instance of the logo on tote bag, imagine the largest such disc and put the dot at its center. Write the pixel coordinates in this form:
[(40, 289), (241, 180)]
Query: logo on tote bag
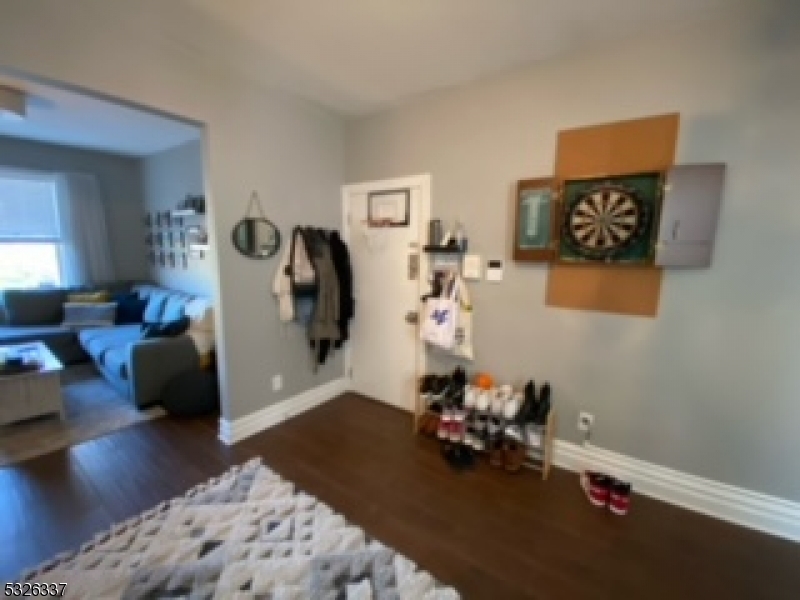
[(440, 315)]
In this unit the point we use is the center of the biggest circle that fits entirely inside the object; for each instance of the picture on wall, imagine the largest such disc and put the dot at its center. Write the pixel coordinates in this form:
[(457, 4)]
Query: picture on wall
[(610, 219), (162, 259), (535, 220), (184, 260), (172, 260)]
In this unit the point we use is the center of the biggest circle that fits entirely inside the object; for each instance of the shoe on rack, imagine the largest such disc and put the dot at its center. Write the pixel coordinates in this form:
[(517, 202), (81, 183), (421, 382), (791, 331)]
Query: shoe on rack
[(619, 500), (597, 487), (439, 387), (534, 435), (514, 453), (495, 425), (456, 389), (471, 394), (484, 400), (443, 431), (513, 405), (528, 406), (458, 456), (457, 427), (543, 406), (514, 431), (500, 398), (432, 426), (426, 385)]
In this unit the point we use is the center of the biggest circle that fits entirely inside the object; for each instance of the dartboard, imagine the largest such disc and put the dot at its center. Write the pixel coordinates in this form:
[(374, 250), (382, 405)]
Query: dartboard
[(605, 219)]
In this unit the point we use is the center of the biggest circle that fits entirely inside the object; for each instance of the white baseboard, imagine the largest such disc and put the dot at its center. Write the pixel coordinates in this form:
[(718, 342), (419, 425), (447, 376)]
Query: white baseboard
[(231, 432), (744, 507)]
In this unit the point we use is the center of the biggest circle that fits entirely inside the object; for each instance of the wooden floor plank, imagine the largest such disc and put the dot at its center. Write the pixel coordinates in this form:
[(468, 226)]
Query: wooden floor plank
[(489, 533)]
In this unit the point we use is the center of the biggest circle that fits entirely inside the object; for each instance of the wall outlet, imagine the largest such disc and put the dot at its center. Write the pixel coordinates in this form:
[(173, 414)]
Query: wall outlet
[(277, 383), (585, 421)]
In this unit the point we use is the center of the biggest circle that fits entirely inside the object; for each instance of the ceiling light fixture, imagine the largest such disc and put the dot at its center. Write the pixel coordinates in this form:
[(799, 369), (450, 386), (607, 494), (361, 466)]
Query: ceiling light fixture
[(12, 104)]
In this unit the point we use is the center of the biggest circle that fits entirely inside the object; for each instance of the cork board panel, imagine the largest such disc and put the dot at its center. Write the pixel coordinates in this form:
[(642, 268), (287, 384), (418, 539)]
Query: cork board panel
[(633, 146), (621, 290), (617, 148)]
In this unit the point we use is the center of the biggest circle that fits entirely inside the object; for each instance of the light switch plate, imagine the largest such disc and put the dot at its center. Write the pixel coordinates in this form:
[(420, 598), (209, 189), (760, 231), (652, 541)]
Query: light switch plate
[(471, 267)]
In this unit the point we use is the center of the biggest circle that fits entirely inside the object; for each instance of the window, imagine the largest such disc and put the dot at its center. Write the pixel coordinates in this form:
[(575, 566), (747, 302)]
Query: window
[(30, 234)]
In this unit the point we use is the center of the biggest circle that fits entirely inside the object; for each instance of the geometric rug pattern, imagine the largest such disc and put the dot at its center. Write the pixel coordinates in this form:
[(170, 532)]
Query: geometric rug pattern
[(247, 534)]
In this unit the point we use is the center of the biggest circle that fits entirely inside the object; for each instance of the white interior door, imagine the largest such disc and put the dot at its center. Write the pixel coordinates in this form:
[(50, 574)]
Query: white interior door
[(385, 353)]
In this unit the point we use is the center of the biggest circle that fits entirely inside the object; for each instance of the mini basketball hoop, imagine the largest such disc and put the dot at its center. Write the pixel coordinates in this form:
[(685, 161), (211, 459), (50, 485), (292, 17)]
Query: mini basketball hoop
[(375, 223)]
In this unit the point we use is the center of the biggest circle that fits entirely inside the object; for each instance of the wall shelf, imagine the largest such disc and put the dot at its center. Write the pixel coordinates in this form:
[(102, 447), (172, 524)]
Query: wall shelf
[(186, 212), (442, 250)]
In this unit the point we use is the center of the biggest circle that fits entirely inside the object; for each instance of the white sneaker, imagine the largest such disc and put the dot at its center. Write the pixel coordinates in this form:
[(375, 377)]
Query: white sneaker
[(471, 394), (513, 405), (499, 399), (484, 400)]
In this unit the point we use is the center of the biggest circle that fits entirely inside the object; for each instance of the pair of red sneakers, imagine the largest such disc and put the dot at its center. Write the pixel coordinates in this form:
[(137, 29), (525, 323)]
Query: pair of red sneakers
[(605, 491)]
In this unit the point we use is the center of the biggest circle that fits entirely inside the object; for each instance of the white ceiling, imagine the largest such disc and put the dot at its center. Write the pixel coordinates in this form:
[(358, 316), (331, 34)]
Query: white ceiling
[(359, 56), (353, 56), (69, 118)]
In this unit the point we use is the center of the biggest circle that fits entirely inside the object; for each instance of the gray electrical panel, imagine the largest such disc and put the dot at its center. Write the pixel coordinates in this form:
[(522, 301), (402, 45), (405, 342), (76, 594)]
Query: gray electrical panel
[(689, 214)]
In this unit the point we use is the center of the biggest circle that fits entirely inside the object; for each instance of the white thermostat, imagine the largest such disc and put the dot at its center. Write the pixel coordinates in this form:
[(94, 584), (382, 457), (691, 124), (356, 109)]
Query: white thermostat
[(494, 270)]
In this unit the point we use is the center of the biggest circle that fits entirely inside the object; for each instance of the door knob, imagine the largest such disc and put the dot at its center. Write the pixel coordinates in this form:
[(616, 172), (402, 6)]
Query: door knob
[(412, 317)]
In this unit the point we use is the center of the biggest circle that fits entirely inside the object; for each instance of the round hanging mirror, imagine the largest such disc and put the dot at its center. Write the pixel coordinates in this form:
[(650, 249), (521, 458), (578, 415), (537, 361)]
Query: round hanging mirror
[(256, 237)]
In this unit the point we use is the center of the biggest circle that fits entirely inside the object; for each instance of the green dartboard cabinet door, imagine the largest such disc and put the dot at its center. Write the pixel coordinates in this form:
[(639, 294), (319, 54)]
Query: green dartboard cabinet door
[(689, 212)]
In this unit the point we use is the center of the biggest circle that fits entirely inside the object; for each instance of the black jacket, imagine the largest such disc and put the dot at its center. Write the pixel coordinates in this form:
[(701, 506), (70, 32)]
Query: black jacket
[(344, 273)]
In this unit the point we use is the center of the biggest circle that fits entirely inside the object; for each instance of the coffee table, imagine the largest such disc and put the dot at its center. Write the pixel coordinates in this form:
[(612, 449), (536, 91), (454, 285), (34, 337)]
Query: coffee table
[(33, 393)]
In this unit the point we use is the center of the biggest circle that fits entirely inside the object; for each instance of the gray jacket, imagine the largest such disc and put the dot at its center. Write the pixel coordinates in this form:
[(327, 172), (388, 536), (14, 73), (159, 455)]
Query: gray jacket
[(324, 321)]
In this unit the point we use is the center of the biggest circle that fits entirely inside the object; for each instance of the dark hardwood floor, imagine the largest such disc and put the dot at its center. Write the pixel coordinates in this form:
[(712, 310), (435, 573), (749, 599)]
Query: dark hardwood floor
[(488, 533)]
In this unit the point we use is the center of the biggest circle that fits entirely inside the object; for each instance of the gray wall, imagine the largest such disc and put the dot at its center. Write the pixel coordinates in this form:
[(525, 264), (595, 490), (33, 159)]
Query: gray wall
[(120, 183), (711, 385), (167, 178), (289, 149)]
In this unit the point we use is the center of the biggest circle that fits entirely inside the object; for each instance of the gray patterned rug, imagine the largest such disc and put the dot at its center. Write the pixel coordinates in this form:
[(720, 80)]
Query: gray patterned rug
[(245, 535), (92, 408)]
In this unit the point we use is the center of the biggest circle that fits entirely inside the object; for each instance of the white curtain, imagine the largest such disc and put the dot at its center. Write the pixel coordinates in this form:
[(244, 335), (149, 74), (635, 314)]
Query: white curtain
[(85, 251)]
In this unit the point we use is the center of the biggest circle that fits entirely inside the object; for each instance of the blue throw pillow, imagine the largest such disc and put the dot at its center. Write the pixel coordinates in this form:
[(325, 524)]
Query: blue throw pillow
[(169, 329), (155, 307), (130, 308)]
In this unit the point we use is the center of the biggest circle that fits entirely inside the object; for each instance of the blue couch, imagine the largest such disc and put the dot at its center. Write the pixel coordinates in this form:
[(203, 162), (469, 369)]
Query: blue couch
[(138, 368)]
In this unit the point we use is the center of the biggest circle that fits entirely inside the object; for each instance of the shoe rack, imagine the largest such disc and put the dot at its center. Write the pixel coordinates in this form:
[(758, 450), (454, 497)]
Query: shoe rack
[(538, 457)]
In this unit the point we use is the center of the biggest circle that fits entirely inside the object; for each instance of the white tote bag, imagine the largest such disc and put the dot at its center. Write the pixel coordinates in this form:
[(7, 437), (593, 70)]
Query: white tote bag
[(462, 345), (441, 315)]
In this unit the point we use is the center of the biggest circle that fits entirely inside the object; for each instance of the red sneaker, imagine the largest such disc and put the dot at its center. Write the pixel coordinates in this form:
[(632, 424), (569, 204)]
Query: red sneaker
[(620, 497), (443, 432), (597, 487)]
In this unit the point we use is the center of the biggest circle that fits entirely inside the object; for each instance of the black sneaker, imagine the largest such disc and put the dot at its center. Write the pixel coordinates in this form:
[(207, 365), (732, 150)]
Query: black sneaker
[(438, 391), (543, 408), (458, 456), (456, 391), (528, 407)]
